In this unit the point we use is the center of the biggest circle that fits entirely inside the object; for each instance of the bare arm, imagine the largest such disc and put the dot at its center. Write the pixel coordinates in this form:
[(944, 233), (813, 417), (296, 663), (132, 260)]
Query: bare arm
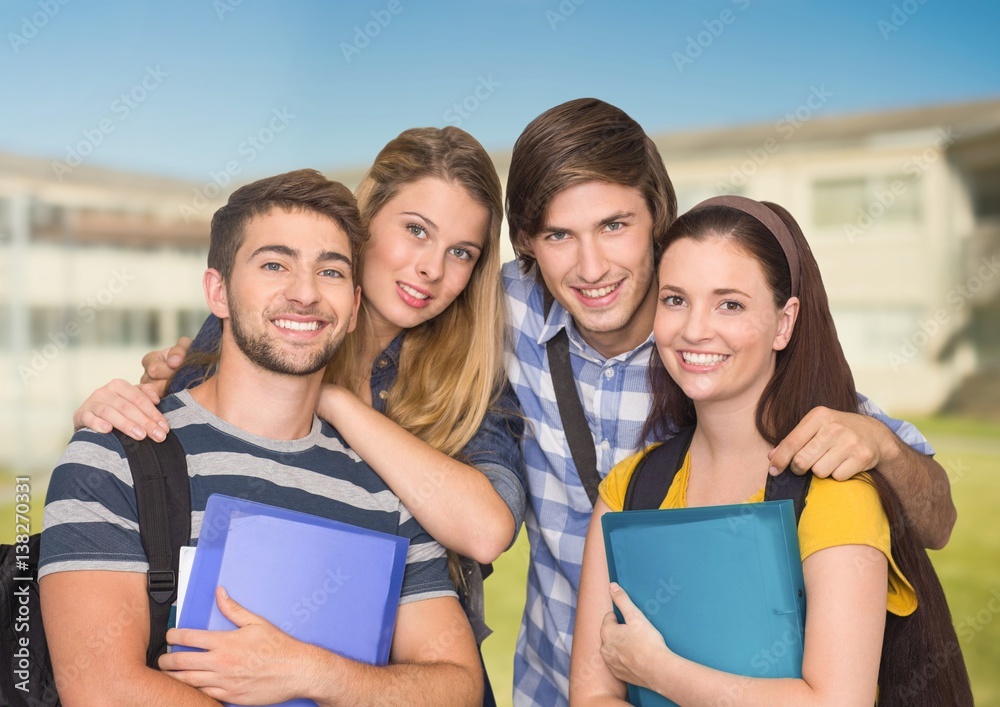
[(454, 502), (97, 628), (846, 590), (590, 681), (842, 444), (433, 661)]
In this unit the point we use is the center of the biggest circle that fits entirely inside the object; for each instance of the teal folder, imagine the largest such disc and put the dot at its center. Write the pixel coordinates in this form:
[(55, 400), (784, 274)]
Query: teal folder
[(722, 584), (324, 582)]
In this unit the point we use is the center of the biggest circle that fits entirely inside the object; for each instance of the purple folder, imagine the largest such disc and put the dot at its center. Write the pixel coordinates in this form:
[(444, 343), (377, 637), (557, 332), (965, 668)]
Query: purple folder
[(324, 582)]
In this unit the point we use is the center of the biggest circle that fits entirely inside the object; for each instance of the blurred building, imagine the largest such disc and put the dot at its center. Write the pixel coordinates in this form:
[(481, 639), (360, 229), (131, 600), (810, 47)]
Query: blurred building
[(902, 209), (97, 267)]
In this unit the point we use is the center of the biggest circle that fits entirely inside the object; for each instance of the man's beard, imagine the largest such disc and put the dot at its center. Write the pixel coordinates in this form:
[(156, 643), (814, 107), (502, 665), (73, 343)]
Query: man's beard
[(265, 353)]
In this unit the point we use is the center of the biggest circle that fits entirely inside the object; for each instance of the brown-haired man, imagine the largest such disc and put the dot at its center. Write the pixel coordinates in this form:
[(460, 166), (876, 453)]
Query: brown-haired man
[(281, 279), (588, 200)]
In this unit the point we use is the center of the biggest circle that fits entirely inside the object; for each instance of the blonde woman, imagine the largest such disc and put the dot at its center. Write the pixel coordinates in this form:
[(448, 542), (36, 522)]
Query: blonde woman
[(418, 389)]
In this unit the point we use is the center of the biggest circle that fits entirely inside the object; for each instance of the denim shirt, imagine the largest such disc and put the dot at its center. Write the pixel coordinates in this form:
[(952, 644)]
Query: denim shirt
[(494, 449)]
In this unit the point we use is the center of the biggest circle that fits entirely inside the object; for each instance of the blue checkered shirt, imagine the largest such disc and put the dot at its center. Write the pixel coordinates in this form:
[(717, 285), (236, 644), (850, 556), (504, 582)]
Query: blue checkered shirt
[(616, 400)]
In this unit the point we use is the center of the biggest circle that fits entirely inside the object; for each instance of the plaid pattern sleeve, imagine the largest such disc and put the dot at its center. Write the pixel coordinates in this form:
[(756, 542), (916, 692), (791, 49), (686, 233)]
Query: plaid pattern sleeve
[(903, 429), (616, 400)]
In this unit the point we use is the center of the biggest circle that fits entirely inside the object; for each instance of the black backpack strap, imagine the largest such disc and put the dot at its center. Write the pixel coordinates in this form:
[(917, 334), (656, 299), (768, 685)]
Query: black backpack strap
[(789, 486), (160, 478), (654, 473), (574, 420)]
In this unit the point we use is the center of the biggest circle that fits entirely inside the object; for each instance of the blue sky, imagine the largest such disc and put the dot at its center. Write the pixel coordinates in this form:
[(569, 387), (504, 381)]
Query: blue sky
[(328, 83)]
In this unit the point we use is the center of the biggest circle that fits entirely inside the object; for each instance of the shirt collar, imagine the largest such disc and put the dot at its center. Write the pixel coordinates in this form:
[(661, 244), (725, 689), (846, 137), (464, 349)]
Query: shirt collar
[(559, 318)]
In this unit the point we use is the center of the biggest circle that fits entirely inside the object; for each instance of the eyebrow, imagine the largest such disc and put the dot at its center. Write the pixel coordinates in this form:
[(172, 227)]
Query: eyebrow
[(289, 252), (617, 216), (721, 291), (420, 216)]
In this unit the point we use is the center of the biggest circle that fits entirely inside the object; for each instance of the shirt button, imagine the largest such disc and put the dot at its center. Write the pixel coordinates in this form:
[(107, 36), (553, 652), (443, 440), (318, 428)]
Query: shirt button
[(609, 373), (605, 445), (382, 362), (383, 394)]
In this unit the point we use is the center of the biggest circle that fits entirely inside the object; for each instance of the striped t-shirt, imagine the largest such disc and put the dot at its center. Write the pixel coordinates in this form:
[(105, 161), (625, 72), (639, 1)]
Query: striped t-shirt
[(91, 516)]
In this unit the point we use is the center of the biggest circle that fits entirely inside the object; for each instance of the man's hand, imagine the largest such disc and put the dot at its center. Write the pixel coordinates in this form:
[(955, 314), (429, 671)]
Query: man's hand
[(158, 366), (832, 443), (842, 444), (253, 665)]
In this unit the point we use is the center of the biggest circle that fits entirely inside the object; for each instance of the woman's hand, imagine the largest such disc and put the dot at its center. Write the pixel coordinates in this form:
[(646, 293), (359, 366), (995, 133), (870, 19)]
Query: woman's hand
[(632, 648), (126, 407), (158, 366)]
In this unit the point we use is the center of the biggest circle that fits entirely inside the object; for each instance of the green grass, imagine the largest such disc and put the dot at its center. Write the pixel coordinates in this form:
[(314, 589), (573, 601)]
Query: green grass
[(8, 516), (969, 567)]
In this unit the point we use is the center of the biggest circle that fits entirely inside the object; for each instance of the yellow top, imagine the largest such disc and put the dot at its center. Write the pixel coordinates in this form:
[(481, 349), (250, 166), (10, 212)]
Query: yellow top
[(836, 513)]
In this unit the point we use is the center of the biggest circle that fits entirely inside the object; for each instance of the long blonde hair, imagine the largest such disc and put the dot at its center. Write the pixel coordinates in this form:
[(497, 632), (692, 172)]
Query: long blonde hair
[(451, 367)]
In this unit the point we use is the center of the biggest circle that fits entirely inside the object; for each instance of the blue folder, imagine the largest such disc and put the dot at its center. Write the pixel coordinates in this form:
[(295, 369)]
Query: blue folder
[(722, 584), (324, 582)]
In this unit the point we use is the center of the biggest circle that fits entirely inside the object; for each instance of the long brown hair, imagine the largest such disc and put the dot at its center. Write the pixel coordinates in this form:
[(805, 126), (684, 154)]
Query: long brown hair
[(583, 140), (921, 661)]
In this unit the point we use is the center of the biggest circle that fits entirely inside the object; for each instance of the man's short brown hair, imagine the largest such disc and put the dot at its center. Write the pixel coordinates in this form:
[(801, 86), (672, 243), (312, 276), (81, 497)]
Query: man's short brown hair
[(583, 140), (301, 190)]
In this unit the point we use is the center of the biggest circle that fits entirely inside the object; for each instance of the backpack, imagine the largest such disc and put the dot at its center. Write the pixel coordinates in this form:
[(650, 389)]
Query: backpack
[(159, 473), (654, 473)]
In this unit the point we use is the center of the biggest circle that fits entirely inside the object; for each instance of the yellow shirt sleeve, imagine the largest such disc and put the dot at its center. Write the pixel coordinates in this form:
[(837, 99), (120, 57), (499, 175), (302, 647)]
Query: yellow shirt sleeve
[(615, 484), (850, 513)]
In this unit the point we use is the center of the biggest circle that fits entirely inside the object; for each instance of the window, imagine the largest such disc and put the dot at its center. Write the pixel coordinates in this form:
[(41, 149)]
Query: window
[(864, 201), (4, 220), (47, 219)]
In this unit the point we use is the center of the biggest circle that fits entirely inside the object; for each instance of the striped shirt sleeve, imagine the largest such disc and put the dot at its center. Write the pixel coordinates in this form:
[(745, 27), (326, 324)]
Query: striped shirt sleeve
[(426, 575), (91, 516)]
